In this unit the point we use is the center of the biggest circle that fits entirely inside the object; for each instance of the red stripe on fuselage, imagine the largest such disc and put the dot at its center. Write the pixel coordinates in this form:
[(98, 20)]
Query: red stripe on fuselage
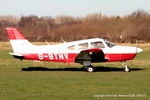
[(120, 57), (59, 57), (70, 57)]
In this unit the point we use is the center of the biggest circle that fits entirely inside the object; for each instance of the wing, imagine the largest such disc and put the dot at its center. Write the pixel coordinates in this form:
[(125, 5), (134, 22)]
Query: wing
[(93, 55)]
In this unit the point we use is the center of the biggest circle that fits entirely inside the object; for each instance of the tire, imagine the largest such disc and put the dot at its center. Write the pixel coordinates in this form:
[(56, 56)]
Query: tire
[(126, 69), (90, 69)]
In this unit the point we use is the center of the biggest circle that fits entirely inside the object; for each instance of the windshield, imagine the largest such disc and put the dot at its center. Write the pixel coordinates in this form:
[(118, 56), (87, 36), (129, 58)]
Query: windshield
[(109, 44)]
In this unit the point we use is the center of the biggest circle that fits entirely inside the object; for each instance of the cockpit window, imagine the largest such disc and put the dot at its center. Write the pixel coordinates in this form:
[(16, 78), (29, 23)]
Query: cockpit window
[(71, 47), (109, 44), (98, 44), (83, 46)]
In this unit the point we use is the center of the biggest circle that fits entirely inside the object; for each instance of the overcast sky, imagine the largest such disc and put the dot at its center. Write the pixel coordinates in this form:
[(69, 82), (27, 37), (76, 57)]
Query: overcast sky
[(71, 7)]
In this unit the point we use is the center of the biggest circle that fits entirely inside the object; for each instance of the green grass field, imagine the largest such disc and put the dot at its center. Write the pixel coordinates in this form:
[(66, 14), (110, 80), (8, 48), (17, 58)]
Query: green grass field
[(29, 80)]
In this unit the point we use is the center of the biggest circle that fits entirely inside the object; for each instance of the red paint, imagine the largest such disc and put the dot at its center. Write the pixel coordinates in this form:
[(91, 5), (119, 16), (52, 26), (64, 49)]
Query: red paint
[(72, 56), (14, 34), (93, 50), (56, 58), (120, 57)]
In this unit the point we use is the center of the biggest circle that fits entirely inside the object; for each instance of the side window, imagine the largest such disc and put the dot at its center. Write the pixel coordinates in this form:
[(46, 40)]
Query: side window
[(98, 44), (83, 46), (71, 47)]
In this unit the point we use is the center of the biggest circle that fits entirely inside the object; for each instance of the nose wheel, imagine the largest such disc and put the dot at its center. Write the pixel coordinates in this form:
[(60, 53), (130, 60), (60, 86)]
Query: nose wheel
[(126, 68)]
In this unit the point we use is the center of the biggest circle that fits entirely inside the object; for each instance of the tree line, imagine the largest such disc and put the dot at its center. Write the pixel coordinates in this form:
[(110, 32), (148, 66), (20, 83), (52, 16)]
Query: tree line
[(126, 29)]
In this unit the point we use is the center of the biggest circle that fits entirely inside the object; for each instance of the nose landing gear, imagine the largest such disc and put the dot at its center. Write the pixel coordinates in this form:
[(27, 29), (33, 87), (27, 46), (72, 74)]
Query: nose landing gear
[(126, 68)]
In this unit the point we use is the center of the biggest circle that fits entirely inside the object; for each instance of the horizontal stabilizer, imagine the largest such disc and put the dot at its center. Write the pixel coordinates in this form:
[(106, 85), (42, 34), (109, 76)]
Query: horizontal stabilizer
[(17, 56)]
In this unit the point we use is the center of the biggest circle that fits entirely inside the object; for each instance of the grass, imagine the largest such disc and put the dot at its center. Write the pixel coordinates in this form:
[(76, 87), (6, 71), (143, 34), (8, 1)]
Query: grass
[(29, 80)]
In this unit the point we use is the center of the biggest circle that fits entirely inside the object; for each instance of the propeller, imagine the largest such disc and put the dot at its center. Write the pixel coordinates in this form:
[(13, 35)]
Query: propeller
[(138, 50)]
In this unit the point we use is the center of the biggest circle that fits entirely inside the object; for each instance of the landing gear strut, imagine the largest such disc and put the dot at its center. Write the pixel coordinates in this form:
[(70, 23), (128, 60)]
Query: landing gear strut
[(126, 68)]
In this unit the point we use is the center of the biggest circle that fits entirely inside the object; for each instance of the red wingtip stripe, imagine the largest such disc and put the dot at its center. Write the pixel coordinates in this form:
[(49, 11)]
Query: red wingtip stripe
[(14, 34)]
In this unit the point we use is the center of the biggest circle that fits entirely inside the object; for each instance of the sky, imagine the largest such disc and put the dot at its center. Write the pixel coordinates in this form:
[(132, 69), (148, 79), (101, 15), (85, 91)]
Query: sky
[(76, 8)]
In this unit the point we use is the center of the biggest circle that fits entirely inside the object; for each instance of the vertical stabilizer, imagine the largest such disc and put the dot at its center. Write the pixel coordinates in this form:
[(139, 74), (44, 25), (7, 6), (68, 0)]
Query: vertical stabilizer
[(19, 43)]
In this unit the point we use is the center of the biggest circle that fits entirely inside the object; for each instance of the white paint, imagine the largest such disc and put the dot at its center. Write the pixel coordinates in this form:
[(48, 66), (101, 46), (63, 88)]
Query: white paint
[(24, 46), (41, 56), (45, 56), (66, 55), (61, 56), (51, 56), (55, 54)]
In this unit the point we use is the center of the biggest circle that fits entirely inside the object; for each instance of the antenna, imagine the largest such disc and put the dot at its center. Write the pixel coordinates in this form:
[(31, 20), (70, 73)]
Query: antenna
[(46, 42), (63, 40)]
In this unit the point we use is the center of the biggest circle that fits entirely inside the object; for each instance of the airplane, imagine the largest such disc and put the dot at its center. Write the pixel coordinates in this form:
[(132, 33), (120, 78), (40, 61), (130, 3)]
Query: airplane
[(84, 52)]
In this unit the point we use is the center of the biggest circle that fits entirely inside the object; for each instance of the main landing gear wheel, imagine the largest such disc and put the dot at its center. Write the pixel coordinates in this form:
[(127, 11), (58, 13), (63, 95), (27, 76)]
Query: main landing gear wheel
[(126, 68), (90, 68)]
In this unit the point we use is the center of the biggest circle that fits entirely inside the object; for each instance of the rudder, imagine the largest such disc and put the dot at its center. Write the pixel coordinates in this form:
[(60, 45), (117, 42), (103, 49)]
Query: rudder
[(14, 34), (19, 43)]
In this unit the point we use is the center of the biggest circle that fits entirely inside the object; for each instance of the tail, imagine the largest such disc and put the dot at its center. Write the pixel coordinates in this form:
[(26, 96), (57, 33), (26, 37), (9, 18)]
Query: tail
[(19, 43)]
